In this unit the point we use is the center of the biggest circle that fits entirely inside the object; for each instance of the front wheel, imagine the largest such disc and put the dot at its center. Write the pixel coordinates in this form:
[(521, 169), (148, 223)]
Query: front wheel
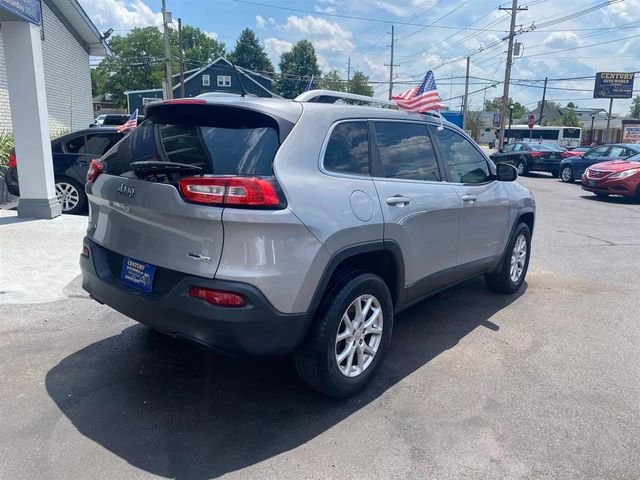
[(349, 338), (514, 267), (566, 174)]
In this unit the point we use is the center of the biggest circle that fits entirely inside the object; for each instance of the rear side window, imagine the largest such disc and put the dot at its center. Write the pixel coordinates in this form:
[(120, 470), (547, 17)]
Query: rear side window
[(406, 151), (100, 143), (348, 149), (239, 149), (464, 162), (618, 152)]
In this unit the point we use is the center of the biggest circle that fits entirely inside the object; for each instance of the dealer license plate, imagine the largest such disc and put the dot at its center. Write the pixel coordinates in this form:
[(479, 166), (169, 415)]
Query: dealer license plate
[(137, 274)]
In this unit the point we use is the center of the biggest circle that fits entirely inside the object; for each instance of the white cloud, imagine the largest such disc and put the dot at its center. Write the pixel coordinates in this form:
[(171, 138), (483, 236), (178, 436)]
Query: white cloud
[(122, 15), (276, 47), (627, 11), (213, 35), (260, 22), (320, 9), (324, 34), (403, 8)]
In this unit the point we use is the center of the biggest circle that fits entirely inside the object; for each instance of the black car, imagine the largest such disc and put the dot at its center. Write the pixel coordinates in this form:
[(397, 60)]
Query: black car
[(530, 157), (572, 167), (112, 120), (72, 154)]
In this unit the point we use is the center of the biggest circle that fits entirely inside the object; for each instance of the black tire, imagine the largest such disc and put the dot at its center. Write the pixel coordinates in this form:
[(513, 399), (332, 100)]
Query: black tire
[(73, 188), (601, 195), (566, 174), (500, 280), (521, 167), (316, 360)]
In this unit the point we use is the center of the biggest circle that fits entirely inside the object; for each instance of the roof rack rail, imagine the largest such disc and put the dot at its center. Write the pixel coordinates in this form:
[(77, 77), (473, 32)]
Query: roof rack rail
[(331, 96)]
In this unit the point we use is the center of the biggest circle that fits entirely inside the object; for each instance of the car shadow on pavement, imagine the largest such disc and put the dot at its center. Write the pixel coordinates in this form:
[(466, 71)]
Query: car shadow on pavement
[(611, 199), (178, 411)]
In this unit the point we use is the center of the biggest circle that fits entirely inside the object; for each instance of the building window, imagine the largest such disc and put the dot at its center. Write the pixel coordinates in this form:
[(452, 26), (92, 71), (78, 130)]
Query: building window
[(206, 80), (224, 80)]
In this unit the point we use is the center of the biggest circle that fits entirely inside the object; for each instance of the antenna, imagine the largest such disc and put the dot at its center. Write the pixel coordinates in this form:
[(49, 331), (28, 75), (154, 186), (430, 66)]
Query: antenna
[(243, 92)]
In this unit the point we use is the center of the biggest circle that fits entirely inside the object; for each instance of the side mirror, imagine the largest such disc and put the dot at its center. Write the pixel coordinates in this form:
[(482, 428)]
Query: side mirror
[(506, 172)]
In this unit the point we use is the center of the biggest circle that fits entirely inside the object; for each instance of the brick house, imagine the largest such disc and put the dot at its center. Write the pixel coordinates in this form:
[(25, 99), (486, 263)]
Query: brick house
[(69, 38)]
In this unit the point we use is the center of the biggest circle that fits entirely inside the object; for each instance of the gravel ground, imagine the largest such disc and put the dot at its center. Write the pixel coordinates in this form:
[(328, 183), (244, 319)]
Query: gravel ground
[(543, 384)]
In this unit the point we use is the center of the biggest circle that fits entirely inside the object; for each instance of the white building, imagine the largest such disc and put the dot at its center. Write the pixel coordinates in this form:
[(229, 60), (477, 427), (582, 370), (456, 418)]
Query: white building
[(69, 38)]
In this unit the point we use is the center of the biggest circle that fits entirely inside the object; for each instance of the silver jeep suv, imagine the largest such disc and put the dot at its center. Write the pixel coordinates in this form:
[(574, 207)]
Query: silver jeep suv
[(269, 226)]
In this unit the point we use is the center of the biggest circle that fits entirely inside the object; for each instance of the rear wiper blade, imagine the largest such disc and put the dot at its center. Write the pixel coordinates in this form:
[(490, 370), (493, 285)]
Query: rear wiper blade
[(152, 166)]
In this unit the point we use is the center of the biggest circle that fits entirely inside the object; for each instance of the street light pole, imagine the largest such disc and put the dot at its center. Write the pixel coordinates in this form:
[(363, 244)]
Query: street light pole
[(593, 117), (166, 19)]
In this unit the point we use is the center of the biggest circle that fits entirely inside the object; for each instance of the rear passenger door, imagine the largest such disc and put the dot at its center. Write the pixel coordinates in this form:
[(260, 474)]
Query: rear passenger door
[(421, 213), (85, 148), (484, 218)]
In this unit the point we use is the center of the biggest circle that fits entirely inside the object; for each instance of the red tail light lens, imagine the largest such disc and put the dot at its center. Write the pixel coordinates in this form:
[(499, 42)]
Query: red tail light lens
[(537, 154), (12, 159), (217, 297), (95, 168), (85, 251), (231, 191), (566, 154)]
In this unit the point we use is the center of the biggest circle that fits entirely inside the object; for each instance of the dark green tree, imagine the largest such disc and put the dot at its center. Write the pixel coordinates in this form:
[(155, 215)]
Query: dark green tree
[(332, 81), (137, 62), (635, 108), (519, 110), (297, 67), (199, 49), (360, 84), (570, 118), (250, 54)]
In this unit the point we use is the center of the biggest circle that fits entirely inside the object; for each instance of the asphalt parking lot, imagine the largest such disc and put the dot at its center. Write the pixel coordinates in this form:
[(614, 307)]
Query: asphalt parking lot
[(543, 384)]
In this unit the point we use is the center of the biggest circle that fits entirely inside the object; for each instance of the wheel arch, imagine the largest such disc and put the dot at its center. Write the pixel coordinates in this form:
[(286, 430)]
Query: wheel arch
[(383, 258)]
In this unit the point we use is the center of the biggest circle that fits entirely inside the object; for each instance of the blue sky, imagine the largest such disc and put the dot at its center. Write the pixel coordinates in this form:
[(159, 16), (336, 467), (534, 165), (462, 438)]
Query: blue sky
[(435, 34)]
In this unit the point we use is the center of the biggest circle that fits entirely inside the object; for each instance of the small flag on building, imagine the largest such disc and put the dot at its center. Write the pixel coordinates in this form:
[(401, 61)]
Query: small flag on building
[(421, 98), (129, 124)]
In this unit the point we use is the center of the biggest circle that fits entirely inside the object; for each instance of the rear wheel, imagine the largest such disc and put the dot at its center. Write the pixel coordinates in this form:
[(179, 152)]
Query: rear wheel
[(515, 265), (521, 166), (70, 195), (566, 174), (349, 337)]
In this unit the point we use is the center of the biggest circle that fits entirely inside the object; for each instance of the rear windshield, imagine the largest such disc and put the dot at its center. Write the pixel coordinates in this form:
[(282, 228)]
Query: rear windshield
[(545, 147), (234, 150)]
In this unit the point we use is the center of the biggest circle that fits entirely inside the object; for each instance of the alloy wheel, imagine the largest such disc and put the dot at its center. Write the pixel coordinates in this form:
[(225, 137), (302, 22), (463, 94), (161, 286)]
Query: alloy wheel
[(520, 168), (359, 335), (567, 174), (518, 258), (68, 196)]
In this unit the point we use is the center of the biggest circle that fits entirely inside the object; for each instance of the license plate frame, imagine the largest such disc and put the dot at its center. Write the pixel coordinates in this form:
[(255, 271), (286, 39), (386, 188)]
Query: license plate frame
[(137, 274)]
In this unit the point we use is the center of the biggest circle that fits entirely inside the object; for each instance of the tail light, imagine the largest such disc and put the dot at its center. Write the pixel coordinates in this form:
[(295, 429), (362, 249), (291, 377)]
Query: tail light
[(232, 191), (95, 168), (217, 297), (566, 154), (537, 154), (12, 159)]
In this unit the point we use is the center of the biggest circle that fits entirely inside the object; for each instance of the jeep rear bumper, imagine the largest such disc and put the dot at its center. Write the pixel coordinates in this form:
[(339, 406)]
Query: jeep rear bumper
[(256, 328)]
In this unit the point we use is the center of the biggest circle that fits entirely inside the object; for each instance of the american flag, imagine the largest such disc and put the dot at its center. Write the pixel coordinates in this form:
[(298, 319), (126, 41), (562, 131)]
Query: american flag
[(421, 98), (129, 124)]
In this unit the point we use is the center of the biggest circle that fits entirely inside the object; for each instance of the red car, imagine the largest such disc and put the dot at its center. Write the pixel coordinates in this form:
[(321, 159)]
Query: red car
[(617, 177)]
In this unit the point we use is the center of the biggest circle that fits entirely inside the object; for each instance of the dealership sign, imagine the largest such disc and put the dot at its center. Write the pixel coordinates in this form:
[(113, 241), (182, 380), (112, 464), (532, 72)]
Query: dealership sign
[(613, 85), (28, 10), (631, 134)]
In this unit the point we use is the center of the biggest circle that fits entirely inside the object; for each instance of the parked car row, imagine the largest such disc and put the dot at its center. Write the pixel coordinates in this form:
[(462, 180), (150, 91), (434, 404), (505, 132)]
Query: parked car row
[(604, 170)]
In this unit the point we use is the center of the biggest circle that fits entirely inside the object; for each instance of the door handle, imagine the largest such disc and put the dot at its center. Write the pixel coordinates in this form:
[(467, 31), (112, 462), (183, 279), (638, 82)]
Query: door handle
[(469, 198), (398, 201)]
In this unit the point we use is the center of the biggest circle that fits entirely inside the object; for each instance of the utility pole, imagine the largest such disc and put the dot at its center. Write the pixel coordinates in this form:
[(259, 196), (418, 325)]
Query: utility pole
[(181, 54), (391, 64), (166, 19), (466, 96), (348, 74), (507, 72), (544, 94), (608, 138)]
